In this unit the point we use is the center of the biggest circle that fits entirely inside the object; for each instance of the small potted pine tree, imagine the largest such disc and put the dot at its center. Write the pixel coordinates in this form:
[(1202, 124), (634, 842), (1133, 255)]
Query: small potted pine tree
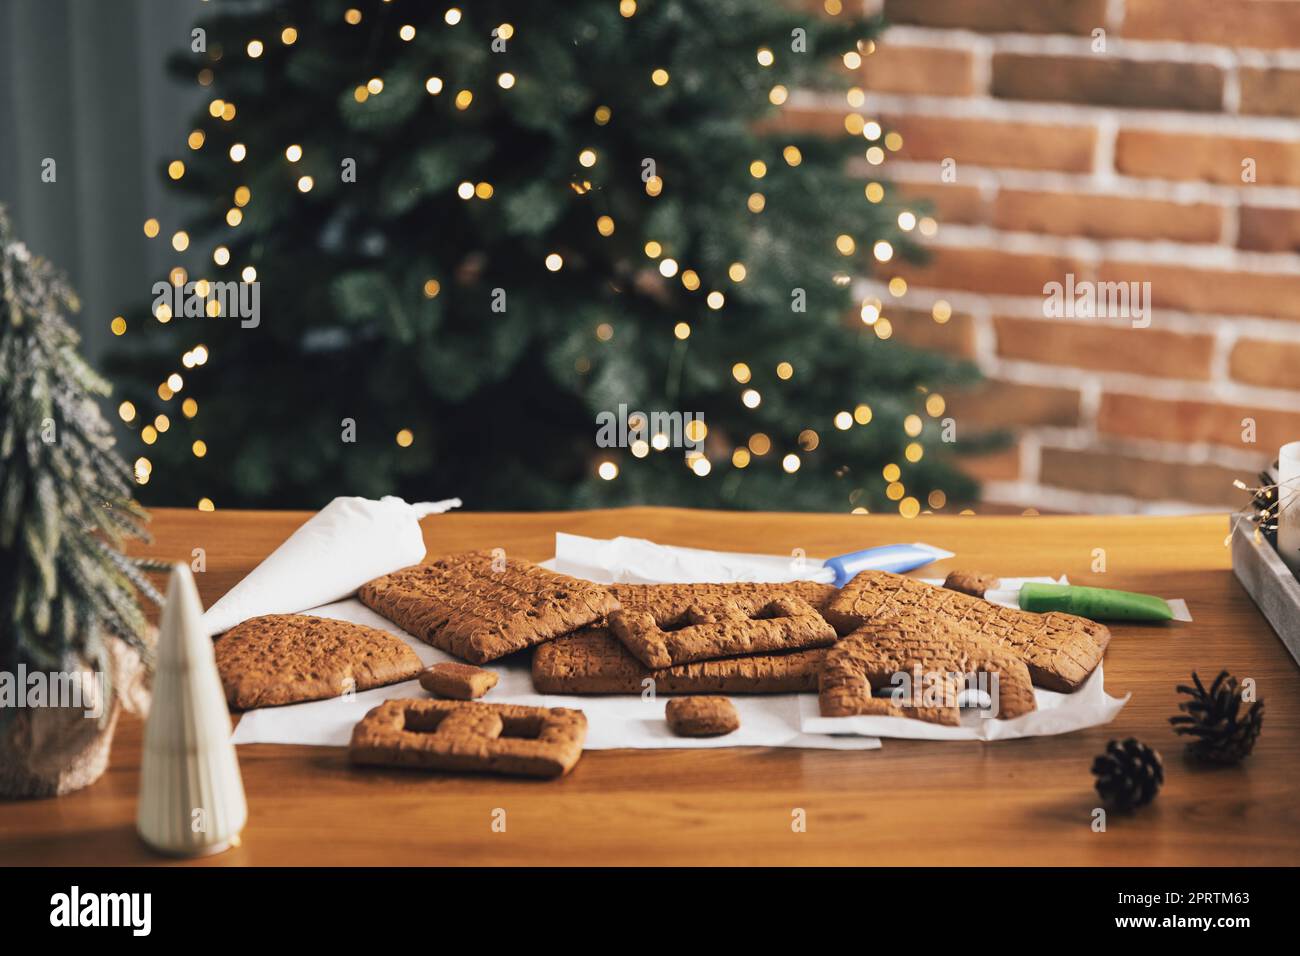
[(74, 643)]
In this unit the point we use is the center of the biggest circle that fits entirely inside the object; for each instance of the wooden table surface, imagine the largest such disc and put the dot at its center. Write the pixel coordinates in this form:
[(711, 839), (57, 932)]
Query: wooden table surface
[(912, 802)]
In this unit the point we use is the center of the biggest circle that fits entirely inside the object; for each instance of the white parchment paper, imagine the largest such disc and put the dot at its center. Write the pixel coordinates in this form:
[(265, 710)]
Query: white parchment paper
[(784, 720)]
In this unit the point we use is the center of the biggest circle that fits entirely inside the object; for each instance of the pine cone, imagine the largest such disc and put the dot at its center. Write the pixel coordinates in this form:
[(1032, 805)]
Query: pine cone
[(1128, 774), (1224, 729)]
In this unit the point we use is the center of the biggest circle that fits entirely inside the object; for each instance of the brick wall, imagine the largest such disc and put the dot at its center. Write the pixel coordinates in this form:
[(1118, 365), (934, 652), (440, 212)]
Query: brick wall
[(1171, 156)]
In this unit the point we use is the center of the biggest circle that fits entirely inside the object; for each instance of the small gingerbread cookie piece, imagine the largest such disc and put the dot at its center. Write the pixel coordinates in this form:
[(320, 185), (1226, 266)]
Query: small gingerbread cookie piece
[(701, 716), (974, 583), (457, 681)]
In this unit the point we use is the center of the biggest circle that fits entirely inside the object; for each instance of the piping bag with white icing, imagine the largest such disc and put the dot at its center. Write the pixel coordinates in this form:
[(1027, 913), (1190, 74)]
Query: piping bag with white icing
[(641, 561), (347, 543)]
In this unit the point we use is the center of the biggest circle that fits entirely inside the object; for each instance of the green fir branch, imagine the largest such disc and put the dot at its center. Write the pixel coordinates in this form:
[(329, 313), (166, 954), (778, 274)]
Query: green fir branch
[(65, 495)]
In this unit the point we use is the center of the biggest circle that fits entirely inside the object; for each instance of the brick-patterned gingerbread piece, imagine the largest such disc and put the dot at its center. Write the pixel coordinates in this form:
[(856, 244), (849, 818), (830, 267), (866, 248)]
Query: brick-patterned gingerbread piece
[(1060, 650), (936, 661), (457, 681), (470, 736), (674, 599), (480, 606), (974, 583), (689, 624), (701, 716), (289, 658), (593, 661)]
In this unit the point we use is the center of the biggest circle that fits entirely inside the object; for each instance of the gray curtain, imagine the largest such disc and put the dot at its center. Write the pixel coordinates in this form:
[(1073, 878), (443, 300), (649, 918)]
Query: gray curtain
[(82, 82)]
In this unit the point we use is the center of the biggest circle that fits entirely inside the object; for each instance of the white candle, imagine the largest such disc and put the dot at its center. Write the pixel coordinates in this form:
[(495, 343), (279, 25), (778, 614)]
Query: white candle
[(1288, 496)]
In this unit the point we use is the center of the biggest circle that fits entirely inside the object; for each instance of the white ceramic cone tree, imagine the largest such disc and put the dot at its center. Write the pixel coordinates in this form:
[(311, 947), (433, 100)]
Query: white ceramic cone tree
[(191, 794)]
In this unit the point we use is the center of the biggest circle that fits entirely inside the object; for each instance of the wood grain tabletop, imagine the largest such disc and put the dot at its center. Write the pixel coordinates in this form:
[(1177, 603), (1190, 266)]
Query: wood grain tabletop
[(1018, 802)]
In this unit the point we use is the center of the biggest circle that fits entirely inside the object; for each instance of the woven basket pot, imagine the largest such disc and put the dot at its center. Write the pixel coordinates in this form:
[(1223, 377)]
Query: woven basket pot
[(50, 751)]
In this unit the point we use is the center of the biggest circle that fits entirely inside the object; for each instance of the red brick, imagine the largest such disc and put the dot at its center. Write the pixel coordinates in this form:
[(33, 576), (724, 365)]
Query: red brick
[(1148, 351), (810, 121), (1262, 24), (1001, 16), (1108, 81), (947, 202), (1009, 144), (1100, 472), (1000, 465), (919, 329), (1274, 92), (1270, 364), (931, 71), (995, 404), (1001, 143), (1138, 416), (1215, 159), (1269, 230), (1106, 217), (1191, 289), (978, 269)]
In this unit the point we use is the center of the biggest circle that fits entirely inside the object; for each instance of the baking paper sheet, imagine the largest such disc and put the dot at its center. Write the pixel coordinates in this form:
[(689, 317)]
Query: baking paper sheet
[(784, 720)]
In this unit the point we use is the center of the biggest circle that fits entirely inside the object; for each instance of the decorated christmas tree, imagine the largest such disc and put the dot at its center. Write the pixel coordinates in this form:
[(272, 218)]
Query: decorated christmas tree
[(478, 234)]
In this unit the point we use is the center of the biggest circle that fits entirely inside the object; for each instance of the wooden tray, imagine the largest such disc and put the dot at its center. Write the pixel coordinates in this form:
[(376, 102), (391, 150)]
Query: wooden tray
[(1267, 580)]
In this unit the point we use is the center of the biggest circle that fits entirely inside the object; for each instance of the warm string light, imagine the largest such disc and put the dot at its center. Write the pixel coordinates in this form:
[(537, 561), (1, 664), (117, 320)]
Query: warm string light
[(1265, 502), (882, 251)]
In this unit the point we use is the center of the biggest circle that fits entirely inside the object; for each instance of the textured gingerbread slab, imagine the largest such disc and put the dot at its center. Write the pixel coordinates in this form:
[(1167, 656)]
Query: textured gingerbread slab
[(934, 661), (289, 658), (470, 736), (676, 598), (974, 583), (1060, 650), (457, 681), (701, 716), (593, 661), (481, 606), (692, 626)]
